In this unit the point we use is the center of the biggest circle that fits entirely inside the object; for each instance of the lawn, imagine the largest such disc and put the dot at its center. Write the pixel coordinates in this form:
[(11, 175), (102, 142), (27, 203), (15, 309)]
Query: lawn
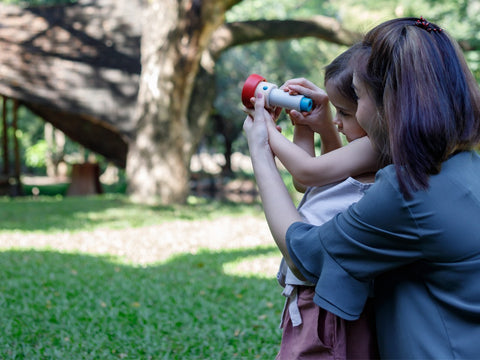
[(214, 297)]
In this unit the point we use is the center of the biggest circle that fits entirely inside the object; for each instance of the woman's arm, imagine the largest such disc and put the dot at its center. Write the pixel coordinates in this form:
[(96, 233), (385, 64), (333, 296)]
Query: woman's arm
[(278, 206)]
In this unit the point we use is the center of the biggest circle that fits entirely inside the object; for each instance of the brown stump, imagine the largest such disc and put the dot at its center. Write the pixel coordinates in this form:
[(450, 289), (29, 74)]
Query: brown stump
[(85, 180)]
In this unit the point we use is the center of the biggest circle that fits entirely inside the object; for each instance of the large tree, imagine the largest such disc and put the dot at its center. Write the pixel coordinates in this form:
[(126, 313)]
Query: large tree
[(181, 41)]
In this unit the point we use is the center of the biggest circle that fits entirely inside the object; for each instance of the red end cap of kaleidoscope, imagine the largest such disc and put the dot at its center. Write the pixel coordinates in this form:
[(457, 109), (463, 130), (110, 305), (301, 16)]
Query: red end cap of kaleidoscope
[(249, 87)]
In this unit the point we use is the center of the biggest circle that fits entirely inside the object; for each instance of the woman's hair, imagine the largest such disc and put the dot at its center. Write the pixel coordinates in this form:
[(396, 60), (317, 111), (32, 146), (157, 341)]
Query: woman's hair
[(340, 72), (427, 98)]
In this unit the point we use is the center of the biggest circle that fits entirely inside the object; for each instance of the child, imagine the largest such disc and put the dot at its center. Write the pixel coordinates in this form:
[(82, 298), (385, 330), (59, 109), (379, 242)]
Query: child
[(412, 231), (308, 329)]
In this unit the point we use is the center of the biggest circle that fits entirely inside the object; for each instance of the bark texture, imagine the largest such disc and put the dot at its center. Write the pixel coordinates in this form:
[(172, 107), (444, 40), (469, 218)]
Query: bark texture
[(76, 66), (175, 35)]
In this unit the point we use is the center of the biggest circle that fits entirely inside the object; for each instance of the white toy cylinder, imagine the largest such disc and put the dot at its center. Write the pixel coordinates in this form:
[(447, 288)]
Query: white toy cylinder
[(266, 88), (273, 96), (285, 100)]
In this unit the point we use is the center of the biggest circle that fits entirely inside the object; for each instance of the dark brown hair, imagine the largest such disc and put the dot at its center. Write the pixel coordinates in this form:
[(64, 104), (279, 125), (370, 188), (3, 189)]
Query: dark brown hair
[(426, 95), (340, 72)]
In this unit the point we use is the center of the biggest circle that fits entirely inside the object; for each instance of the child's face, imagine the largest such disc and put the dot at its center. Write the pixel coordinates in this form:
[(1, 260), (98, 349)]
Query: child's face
[(366, 108), (345, 118)]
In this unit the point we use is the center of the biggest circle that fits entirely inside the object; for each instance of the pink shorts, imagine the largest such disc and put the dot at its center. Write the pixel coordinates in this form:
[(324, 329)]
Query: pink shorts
[(323, 335)]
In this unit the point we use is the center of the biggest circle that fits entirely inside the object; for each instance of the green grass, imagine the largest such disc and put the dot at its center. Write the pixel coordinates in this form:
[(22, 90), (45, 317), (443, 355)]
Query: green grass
[(57, 305), (58, 213), (73, 306)]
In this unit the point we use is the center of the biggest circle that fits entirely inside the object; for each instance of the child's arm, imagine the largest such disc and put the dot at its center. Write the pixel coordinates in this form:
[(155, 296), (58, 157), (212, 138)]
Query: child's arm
[(358, 157), (319, 120), (303, 137), (336, 162), (279, 209)]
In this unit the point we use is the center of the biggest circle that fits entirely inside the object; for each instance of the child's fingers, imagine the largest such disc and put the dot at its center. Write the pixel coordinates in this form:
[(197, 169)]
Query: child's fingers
[(296, 117), (316, 94), (300, 81)]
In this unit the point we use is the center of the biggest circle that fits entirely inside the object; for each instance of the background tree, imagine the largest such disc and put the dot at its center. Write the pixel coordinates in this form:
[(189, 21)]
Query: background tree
[(180, 43)]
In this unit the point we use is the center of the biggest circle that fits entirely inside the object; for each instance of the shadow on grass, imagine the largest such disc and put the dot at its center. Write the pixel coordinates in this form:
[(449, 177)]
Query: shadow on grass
[(49, 214), (73, 306)]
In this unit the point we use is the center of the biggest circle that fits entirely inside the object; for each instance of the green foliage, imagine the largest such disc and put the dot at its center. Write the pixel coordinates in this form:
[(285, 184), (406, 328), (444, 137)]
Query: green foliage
[(30, 130), (461, 18), (30, 126), (277, 9), (35, 155)]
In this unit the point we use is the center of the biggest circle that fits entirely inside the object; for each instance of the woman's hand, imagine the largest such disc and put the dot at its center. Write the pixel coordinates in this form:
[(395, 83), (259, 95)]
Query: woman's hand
[(255, 127)]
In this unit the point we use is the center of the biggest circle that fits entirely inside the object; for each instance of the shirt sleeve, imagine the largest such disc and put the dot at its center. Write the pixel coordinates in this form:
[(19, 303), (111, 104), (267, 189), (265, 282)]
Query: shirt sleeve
[(335, 289), (376, 234)]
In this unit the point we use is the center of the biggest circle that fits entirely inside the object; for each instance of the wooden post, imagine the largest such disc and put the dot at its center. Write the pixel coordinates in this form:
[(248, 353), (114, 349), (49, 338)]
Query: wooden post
[(6, 158), (16, 148), (4, 185), (85, 180), (17, 188)]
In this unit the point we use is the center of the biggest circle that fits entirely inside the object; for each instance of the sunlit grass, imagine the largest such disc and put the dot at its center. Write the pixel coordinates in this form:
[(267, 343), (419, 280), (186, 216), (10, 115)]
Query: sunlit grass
[(264, 265), (58, 213)]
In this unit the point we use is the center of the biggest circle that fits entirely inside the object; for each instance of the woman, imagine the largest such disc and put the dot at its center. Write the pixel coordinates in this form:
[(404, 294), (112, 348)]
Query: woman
[(416, 231)]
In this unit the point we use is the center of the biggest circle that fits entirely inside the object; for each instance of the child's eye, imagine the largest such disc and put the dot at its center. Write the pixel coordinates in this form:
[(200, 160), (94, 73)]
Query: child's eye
[(343, 113)]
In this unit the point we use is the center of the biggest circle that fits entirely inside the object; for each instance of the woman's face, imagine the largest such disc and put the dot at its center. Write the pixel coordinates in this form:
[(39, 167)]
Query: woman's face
[(366, 108), (345, 108)]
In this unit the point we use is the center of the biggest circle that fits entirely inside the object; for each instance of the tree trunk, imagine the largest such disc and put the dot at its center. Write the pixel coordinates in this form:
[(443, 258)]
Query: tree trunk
[(181, 40), (174, 36), (6, 152)]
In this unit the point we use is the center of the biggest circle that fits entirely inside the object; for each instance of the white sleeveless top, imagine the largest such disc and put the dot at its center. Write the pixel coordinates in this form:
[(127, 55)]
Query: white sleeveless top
[(318, 205)]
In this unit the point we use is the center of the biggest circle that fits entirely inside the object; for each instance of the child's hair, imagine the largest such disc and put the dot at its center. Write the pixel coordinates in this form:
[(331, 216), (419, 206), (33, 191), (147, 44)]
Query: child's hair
[(427, 98), (340, 72)]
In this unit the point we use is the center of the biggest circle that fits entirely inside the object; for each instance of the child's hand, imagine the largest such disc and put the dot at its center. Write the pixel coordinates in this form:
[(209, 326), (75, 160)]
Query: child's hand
[(320, 116)]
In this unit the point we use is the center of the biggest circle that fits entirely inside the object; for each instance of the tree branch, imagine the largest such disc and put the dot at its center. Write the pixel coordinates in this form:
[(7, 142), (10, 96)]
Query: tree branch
[(239, 33), (469, 44)]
